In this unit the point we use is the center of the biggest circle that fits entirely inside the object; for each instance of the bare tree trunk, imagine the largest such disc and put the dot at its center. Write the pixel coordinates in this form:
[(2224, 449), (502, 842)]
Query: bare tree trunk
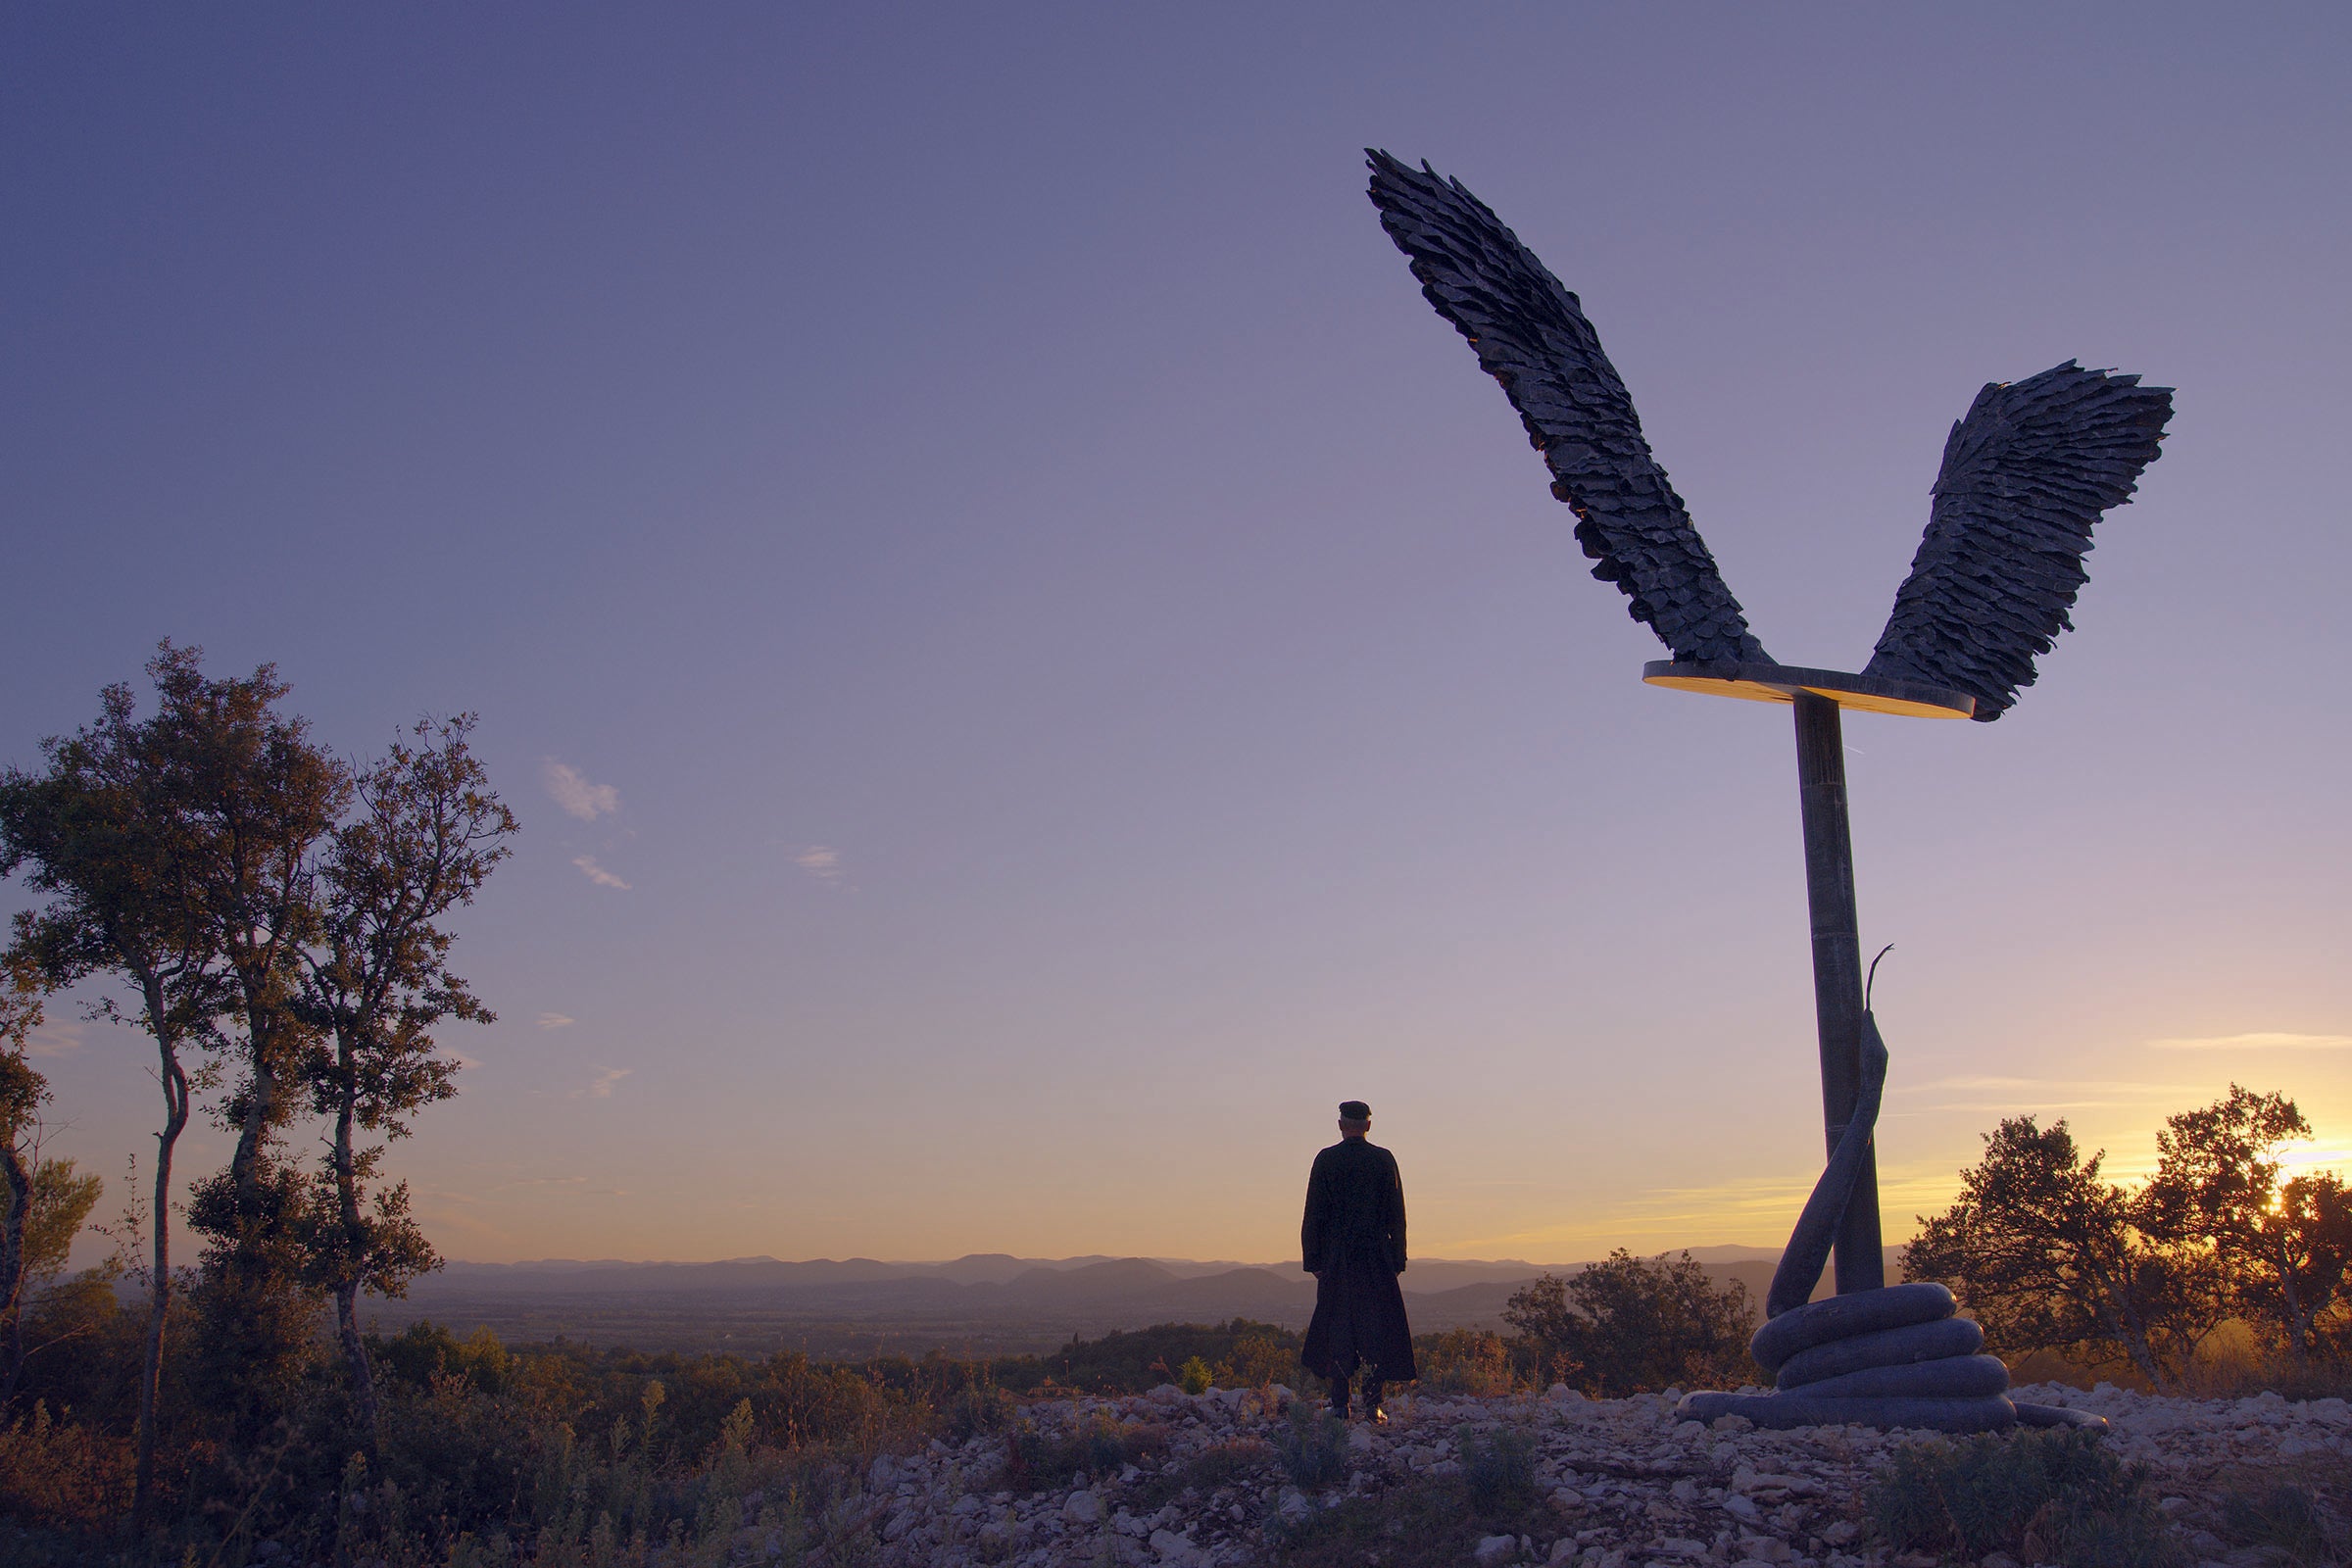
[(347, 1284), (247, 1163), (12, 1269), (151, 1367), (2277, 1251), (2115, 1308), (355, 1356)]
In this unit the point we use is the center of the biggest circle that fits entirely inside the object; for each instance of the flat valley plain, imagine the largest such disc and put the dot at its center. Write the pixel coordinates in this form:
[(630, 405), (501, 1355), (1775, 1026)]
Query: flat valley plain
[(986, 1304)]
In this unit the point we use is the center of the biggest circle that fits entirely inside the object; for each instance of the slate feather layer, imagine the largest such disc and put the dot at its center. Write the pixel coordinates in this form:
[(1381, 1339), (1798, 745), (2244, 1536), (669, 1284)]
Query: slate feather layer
[(2025, 476), (1532, 336)]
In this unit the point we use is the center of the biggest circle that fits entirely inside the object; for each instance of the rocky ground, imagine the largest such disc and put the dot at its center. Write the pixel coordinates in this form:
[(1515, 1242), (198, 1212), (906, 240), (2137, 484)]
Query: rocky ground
[(1619, 1483)]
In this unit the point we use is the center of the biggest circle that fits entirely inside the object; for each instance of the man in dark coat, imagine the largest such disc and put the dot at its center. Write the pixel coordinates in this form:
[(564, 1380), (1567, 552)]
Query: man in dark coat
[(1353, 1239)]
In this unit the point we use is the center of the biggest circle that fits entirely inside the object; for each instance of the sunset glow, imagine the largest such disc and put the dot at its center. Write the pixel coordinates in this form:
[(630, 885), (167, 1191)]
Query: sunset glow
[(1031, 667)]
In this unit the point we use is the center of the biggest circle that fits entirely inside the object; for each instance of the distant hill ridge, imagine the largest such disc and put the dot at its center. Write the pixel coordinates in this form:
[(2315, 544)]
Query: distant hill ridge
[(986, 1300), (1090, 1273)]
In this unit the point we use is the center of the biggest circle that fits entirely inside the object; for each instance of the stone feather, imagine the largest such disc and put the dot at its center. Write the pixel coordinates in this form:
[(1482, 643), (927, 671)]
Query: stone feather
[(1532, 336), (2025, 475)]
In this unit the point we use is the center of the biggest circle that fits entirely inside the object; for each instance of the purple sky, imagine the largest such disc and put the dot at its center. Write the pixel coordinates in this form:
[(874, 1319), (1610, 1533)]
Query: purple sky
[(1032, 664)]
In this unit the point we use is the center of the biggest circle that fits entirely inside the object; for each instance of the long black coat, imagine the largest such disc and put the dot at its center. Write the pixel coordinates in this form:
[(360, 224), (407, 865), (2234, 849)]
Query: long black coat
[(1353, 1241)]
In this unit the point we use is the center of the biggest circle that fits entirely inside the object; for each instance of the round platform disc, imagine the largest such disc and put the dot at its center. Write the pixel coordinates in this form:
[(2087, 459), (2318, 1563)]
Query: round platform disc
[(1780, 683)]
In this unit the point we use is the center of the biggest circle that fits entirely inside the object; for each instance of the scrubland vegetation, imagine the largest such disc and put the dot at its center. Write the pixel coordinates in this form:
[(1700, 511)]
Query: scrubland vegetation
[(561, 1454), (273, 919)]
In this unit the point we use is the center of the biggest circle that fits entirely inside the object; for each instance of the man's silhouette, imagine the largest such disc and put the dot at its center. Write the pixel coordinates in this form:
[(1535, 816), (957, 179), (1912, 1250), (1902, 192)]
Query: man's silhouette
[(1353, 1239)]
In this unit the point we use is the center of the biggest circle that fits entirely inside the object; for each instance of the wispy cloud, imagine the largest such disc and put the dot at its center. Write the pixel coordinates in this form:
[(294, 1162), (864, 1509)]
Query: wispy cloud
[(820, 861), (601, 1086), (2263, 1041), (571, 790), (1755, 1209), (555, 1021), (548, 1181), (2021, 1105), (1982, 1084), (597, 873), (2019, 1094), (52, 1040)]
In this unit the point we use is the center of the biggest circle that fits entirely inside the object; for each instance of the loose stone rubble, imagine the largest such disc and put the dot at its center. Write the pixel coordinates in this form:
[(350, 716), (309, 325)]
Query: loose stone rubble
[(1628, 1485)]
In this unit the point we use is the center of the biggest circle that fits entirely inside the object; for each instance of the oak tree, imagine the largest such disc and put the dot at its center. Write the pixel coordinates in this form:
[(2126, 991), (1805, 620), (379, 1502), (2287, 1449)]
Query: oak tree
[(2049, 1254), (106, 833), (2282, 1245), (426, 832), (1630, 1323)]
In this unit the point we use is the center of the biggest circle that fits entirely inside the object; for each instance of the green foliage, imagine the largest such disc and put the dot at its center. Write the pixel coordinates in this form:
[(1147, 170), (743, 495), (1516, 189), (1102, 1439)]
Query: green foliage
[(2051, 1256), (981, 1409), (1240, 1354), (2284, 1246), (1233, 1462), (1262, 1355), (2289, 1524), (1223, 1464), (1499, 1468), (1195, 1377), (1313, 1447), (1474, 1361), (1427, 1522), (2057, 1497), (1633, 1324), (62, 1473), (545, 1446), (1097, 1446), (425, 1351), (281, 914), (59, 1205)]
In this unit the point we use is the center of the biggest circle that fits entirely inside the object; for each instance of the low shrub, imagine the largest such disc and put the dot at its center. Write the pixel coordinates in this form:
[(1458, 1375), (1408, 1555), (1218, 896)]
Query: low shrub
[(1500, 1467), (1427, 1522), (2288, 1522), (1098, 1446), (1261, 1356), (1473, 1361), (1313, 1448), (1236, 1461), (1630, 1324), (2041, 1496), (63, 1474), (980, 1409)]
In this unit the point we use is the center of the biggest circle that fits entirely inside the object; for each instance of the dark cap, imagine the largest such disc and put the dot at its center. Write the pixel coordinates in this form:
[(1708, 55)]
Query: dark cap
[(1354, 1110)]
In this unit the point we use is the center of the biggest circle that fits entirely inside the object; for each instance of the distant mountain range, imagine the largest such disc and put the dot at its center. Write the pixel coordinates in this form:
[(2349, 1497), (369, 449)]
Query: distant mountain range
[(984, 1304)]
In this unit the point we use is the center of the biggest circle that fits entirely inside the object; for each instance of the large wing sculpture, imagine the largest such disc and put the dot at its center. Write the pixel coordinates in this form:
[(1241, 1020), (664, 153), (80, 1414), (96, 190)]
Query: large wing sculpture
[(2025, 475), (1532, 336)]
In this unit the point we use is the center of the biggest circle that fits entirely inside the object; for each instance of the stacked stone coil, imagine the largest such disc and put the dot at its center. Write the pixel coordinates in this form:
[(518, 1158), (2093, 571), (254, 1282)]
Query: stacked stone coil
[(1894, 1356)]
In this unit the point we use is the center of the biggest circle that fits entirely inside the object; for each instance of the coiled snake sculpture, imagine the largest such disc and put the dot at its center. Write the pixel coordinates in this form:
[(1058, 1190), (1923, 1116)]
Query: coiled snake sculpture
[(1896, 1357)]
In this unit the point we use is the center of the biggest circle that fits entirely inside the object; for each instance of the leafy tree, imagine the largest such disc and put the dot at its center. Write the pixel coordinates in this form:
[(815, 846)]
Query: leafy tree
[(284, 914), (58, 1204), (427, 831), (1632, 1323), (106, 833), (2308, 1242), (43, 1202), (249, 778), (21, 1094), (2217, 1184), (2049, 1254), (61, 1204)]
